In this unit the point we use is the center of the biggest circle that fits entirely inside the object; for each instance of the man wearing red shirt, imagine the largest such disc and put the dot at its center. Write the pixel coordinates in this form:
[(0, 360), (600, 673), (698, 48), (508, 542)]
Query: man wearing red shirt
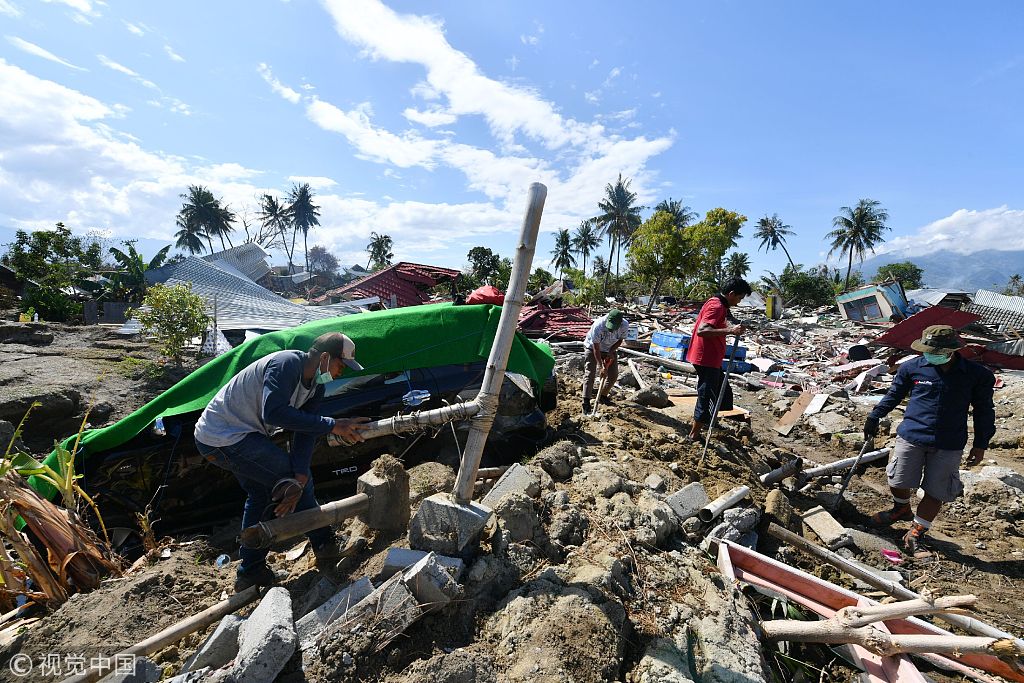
[(707, 351)]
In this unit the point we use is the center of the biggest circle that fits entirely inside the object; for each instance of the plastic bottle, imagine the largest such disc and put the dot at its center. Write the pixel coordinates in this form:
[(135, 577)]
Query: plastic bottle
[(35, 317), (222, 561), (158, 427)]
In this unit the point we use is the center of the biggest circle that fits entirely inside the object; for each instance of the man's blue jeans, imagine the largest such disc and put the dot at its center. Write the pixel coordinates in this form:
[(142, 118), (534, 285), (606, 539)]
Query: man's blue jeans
[(258, 463)]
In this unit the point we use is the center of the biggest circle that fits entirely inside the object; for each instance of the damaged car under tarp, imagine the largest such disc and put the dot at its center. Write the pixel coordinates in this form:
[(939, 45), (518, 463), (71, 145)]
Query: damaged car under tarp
[(441, 349)]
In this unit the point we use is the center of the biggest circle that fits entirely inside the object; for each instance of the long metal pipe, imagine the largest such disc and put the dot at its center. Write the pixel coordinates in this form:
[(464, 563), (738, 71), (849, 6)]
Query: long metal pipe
[(722, 503), (490, 390), (780, 473), (400, 424), (843, 464), (263, 534), (969, 624)]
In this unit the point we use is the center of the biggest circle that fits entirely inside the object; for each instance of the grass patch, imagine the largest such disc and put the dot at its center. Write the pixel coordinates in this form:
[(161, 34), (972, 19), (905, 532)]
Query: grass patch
[(139, 368)]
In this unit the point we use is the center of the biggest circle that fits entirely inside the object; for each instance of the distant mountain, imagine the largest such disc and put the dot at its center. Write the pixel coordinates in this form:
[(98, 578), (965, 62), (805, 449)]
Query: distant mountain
[(988, 269)]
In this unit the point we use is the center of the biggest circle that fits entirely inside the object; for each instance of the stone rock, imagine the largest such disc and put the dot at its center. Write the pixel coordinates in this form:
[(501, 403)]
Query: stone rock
[(657, 515), (655, 482), (568, 527), (827, 528), (431, 583), (870, 544), (600, 481), (653, 396), (518, 516), (517, 479), (267, 640), (428, 478), (445, 527), (687, 501), (662, 662), (320, 593), (311, 625), (387, 486), (145, 671), (460, 666), (190, 677), (1004, 474), (559, 460), (30, 334), (827, 424), (400, 559), (778, 509), (219, 649)]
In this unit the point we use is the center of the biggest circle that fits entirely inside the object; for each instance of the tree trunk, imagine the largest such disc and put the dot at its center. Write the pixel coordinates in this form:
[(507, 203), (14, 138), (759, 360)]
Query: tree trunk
[(221, 236), (788, 256), (305, 247), (849, 268), (584, 264), (608, 270), (654, 292)]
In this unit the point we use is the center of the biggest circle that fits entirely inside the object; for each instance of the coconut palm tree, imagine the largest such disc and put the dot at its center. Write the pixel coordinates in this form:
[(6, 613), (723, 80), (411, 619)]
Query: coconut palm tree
[(619, 218), (189, 236), (682, 215), (561, 255), (773, 232), (198, 214), (379, 249), (275, 217), (585, 240), (857, 231), (305, 214), (220, 224), (737, 265)]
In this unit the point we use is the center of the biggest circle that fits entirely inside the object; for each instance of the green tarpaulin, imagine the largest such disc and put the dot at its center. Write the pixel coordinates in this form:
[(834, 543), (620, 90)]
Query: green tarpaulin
[(386, 341)]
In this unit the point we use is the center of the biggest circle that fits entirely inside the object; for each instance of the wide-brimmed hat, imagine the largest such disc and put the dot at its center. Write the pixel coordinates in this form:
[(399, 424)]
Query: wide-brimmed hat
[(614, 319), (339, 346), (937, 339)]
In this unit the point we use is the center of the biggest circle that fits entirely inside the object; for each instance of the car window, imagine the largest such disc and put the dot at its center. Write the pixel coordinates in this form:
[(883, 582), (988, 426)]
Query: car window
[(345, 385)]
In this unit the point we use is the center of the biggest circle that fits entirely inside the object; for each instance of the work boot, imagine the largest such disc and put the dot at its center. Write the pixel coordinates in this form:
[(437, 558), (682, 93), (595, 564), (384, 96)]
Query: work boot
[(257, 576), (900, 512), (915, 538), (327, 555), (605, 400), (587, 408)]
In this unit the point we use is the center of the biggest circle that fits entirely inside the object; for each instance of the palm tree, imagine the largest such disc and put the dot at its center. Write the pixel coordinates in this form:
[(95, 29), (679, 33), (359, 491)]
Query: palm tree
[(561, 255), (190, 235), (773, 232), (600, 267), (619, 218), (585, 241), (198, 213), (305, 214), (275, 217), (682, 215), (857, 231), (220, 224), (379, 249), (737, 265)]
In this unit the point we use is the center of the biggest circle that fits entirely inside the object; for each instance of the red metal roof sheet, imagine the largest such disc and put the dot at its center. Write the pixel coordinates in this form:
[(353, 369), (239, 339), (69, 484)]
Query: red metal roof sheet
[(900, 335), (406, 281), (569, 324)]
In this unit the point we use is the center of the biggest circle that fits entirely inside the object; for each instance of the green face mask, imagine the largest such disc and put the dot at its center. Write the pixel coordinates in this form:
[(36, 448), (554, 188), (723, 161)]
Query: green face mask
[(937, 358), (324, 377)]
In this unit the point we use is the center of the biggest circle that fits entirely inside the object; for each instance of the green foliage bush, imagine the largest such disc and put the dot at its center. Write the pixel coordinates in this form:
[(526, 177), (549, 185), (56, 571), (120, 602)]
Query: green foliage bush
[(51, 303), (174, 315)]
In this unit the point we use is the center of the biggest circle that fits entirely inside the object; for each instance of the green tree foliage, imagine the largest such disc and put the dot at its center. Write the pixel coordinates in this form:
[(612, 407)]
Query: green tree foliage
[(304, 213), (275, 218), (322, 261), (619, 218), (483, 264), (737, 265), (379, 249), (600, 268), (174, 314), (504, 274), (904, 272), (857, 231), (1014, 286), (585, 240), (202, 217), (561, 255), (128, 283), (772, 233), (715, 235), (54, 260), (806, 287), (681, 214), (539, 279), (658, 249)]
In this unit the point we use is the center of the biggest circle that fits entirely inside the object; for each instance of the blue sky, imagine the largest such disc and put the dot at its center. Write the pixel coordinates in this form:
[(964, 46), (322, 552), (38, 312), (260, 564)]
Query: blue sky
[(427, 121)]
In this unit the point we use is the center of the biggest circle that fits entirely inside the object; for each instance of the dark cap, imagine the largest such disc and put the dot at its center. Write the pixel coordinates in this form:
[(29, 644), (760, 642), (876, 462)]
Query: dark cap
[(614, 319), (937, 339), (337, 345)]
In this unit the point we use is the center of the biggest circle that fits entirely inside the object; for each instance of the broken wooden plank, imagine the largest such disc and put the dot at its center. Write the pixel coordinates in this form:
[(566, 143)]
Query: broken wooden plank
[(683, 405), (636, 373), (786, 423), (816, 404)]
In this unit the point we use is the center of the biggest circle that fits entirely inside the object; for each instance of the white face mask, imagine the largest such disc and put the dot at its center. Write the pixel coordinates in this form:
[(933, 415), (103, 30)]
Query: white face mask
[(324, 377)]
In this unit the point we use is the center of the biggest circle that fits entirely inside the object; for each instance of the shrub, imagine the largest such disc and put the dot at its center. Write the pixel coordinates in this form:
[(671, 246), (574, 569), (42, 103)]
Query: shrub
[(51, 303), (174, 315)]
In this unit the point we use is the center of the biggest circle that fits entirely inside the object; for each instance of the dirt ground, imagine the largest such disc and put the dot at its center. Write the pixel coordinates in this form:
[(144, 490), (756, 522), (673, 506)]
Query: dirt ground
[(604, 589)]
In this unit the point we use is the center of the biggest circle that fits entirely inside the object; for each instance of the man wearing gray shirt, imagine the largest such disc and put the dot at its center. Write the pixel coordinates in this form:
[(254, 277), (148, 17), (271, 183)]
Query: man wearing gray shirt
[(281, 391)]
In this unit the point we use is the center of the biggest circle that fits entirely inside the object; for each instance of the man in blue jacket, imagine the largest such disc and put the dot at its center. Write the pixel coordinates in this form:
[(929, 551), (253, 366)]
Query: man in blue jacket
[(281, 391), (930, 441)]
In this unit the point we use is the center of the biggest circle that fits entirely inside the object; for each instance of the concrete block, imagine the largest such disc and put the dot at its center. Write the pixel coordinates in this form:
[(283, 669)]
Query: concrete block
[(827, 528), (266, 641), (431, 583), (870, 544), (687, 501), (1004, 474), (387, 486), (145, 671), (389, 609), (655, 482), (445, 527), (400, 559), (219, 649), (190, 677), (778, 509), (517, 479), (313, 598), (309, 627)]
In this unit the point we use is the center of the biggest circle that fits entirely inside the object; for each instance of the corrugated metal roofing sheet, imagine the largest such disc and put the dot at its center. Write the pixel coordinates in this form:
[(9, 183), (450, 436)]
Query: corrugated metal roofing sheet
[(999, 309), (250, 259), (406, 281), (900, 335)]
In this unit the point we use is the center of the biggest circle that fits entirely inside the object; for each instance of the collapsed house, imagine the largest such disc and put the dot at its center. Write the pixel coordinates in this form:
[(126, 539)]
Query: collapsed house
[(399, 285), (874, 303)]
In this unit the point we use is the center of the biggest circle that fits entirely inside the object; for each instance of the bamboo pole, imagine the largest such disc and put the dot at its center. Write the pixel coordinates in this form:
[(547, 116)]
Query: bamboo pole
[(264, 534), (969, 624), (667, 362), (174, 633)]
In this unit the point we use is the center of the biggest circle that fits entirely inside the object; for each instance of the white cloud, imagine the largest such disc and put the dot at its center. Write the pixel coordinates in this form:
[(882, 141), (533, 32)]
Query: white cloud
[(430, 118), (529, 40), (175, 57), (83, 6), (276, 85), (120, 68), (513, 62), (134, 28), (963, 232), (10, 9), (316, 182), (612, 75), (33, 49), (592, 96), (372, 143)]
